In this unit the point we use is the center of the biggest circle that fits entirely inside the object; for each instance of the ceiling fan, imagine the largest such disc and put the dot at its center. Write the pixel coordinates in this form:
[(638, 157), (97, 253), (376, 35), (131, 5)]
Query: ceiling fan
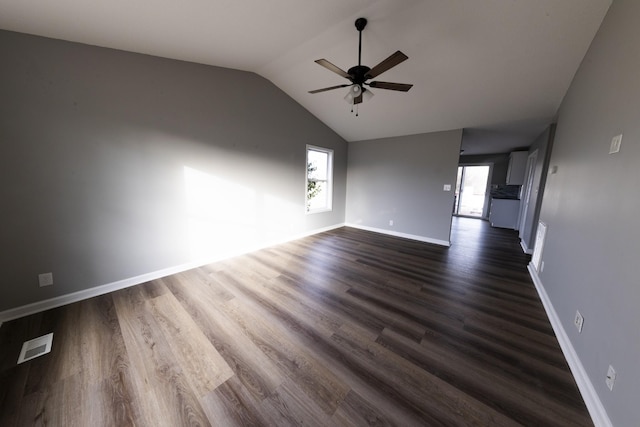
[(359, 74)]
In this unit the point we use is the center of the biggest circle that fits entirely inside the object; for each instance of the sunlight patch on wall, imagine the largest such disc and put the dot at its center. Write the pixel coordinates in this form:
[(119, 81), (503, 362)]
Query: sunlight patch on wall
[(226, 218), (221, 215)]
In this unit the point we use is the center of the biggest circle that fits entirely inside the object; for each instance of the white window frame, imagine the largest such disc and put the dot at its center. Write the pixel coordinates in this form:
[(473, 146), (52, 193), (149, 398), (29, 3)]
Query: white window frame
[(329, 180)]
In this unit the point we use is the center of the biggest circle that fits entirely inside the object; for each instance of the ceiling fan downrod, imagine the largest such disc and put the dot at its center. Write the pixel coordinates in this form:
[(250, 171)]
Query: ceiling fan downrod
[(360, 24), (358, 73)]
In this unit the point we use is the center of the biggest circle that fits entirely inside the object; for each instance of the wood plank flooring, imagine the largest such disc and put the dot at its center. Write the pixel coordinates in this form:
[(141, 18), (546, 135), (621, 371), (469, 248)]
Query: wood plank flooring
[(344, 328)]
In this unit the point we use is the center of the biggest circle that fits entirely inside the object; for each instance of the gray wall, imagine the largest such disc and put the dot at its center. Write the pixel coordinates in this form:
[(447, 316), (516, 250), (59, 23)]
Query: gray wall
[(115, 164), (543, 145), (591, 206), (402, 179)]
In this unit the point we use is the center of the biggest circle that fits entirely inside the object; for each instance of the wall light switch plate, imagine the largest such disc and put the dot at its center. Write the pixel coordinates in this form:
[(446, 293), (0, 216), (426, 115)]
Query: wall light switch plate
[(447, 187), (616, 141), (45, 279), (578, 321), (611, 377)]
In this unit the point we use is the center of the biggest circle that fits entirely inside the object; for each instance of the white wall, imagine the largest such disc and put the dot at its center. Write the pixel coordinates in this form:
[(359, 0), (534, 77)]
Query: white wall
[(402, 179), (114, 165), (591, 207)]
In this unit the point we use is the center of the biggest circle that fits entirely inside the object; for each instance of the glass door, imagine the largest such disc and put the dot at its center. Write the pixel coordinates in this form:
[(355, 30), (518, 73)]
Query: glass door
[(471, 191)]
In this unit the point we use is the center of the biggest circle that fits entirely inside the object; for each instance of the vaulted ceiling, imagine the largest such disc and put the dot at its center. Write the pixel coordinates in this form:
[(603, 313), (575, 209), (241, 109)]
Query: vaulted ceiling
[(498, 68)]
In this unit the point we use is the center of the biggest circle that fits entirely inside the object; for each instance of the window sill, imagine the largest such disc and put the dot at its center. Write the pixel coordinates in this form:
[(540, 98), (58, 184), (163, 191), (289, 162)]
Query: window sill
[(315, 211)]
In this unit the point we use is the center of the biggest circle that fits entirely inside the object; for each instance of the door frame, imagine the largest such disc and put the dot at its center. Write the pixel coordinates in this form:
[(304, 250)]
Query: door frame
[(487, 193), (527, 190)]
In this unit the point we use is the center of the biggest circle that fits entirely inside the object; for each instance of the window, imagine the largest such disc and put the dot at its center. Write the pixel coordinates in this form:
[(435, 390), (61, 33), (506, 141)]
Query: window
[(319, 179)]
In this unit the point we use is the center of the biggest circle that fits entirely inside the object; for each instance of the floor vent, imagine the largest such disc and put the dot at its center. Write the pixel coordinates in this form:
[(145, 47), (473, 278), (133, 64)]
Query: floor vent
[(35, 347)]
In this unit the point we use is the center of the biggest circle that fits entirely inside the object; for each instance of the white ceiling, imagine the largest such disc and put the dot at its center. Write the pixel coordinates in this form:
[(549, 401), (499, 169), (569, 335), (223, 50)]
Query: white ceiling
[(495, 67)]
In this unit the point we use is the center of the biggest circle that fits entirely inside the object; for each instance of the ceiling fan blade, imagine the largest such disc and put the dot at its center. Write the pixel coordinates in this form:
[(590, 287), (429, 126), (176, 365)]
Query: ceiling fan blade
[(328, 88), (357, 99), (329, 66), (403, 87), (388, 63)]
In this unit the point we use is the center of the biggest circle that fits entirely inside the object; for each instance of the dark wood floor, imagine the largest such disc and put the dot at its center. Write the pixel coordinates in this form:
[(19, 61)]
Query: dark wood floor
[(345, 328)]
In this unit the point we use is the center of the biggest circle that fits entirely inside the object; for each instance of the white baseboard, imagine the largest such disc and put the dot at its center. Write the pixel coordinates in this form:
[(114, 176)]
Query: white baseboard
[(39, 306), (398, 234), (524, 247), (591, 399)]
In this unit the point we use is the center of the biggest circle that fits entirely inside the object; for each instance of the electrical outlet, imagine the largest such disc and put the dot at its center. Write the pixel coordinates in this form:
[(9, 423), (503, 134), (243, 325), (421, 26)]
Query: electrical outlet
[(447, 187), (391, 222), (611, 377), (45, 279), (578, 321)]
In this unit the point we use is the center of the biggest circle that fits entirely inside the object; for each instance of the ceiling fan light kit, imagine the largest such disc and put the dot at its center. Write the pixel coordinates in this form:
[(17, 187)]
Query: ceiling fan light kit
[(354, 92), (359, 74)]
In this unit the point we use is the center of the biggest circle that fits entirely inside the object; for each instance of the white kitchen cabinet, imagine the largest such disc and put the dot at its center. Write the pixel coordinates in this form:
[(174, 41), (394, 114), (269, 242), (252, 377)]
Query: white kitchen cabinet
[(504, 213), (517, 167)]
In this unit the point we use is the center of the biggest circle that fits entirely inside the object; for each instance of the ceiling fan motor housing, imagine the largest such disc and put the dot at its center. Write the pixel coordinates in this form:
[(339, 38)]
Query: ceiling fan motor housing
[(359, 74)]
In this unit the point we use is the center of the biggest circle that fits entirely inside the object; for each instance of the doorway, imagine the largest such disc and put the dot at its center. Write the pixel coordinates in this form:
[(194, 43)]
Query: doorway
[(471, 191)]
